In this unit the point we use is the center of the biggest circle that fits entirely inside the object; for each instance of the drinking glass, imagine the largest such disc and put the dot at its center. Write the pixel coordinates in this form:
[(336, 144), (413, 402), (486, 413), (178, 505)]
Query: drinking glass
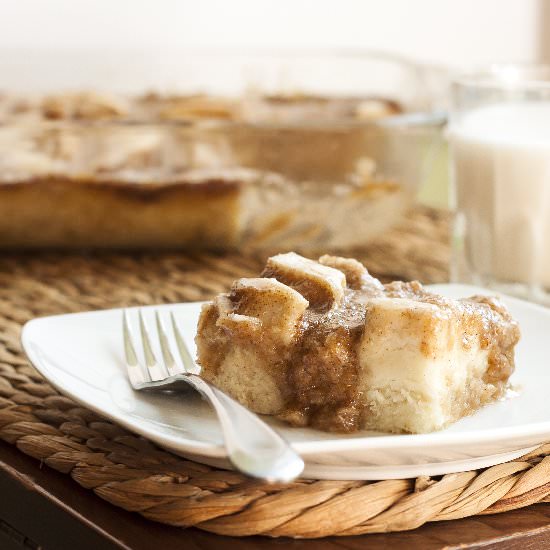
[(500, 172)]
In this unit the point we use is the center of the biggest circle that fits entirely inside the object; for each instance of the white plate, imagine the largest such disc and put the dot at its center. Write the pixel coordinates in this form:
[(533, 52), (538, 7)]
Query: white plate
[(81, 355)]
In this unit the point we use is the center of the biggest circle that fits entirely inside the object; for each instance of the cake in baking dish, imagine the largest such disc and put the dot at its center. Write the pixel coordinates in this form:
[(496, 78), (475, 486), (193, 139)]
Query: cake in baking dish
[(324, 344), (97, 170)]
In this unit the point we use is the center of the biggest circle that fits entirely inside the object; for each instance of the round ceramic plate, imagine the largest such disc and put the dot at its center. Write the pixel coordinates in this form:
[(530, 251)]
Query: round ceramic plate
[(81, 355)]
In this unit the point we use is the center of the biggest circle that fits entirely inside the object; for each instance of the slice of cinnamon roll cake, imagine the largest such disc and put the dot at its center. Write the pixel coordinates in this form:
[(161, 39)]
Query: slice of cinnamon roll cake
[(324, 344)]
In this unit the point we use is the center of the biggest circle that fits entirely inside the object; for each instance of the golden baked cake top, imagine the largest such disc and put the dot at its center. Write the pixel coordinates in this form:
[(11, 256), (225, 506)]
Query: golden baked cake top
[(154, 107), (159, 138)]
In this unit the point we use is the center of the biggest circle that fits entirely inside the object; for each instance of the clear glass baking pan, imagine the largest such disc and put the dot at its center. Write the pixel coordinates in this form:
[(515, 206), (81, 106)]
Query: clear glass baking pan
[(209, 150)]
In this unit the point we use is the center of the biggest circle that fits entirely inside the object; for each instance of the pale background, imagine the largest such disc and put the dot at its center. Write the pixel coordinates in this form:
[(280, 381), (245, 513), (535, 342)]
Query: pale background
[(447, 33), (455, 32)]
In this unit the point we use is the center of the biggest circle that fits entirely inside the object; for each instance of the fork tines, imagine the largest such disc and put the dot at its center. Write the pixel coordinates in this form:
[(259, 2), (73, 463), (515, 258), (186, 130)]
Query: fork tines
[(154, 369)]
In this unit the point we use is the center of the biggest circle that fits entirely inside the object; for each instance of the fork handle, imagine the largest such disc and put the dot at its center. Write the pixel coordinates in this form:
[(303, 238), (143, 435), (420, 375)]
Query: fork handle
[(252, 446)]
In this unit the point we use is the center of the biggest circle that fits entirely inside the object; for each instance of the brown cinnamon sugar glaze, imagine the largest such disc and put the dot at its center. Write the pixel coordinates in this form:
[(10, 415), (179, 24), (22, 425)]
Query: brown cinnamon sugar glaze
[(316, 364), (321, 380)]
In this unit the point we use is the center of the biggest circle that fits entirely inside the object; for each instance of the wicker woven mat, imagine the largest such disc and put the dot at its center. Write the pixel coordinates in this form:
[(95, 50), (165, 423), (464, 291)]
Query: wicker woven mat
[(130, 472)]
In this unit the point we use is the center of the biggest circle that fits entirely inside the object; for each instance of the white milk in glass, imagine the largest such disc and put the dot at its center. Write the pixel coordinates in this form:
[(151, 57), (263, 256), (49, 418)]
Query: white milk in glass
[(502, 190)]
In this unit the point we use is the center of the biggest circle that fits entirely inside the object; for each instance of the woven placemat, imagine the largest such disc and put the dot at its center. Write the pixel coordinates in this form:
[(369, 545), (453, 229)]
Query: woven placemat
[(132, 473)]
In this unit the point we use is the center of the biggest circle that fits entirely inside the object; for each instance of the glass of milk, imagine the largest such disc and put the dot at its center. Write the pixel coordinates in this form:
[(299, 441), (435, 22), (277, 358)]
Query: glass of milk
[(500, 169)]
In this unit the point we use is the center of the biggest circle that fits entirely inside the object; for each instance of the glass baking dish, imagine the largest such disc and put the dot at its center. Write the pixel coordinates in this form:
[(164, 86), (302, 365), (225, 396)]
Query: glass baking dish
[(257, 152)]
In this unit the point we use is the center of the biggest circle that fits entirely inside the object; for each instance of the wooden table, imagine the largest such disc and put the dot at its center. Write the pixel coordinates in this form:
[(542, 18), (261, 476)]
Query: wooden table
[(40, 508)]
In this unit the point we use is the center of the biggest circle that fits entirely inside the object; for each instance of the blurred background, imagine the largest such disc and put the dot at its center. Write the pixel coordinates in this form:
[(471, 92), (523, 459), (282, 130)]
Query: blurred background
[(141, 46), (438, 31)]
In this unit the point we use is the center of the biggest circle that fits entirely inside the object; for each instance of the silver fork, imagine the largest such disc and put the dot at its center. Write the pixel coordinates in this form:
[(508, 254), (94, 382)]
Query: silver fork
[(252, 446)]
